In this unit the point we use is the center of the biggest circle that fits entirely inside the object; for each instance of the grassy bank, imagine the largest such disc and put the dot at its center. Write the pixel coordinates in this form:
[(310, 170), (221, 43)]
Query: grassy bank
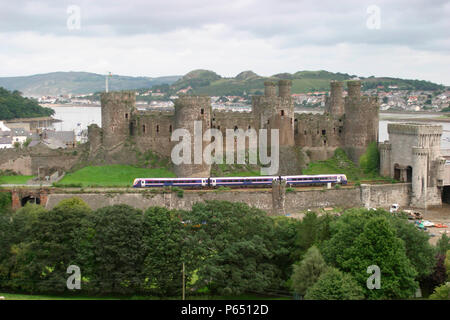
[(340, 163), (15, 179), (110, 176)]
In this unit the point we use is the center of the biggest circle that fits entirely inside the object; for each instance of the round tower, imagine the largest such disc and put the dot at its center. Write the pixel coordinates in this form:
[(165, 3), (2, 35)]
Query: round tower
[(354, 88), (335, 102), (116, 113), (419, 177), (270, 89), (193, 113), (284, 88)]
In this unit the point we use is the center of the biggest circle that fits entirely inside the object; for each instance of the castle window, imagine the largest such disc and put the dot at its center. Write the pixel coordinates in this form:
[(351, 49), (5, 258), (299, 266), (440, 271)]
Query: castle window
[(268, 121), (305, 132), (218, 127), (157, 128), (170, 128), (143, 129), (249, 127), (126, 115), (340, 130), (324, 142), (282, 112), (235, 128), (317, 131), (202, 111), (324, 132)]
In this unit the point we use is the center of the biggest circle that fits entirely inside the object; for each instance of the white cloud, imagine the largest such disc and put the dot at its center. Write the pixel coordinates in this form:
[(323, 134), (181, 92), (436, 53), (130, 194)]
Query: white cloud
[(154, 38)]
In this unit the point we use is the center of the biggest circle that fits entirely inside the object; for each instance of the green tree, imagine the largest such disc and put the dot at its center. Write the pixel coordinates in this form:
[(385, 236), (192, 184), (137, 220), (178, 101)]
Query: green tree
[(163, 241), (308, 271), (443, 244), (441, 293), (447, 264), (378, 245), (335, 285), (236, 246), (118, 250), (40, 261), (312, 230)]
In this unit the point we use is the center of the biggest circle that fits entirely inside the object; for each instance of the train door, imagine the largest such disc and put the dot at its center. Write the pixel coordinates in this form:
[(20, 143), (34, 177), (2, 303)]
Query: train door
[(339, 179), (204, 182), (213, 182)]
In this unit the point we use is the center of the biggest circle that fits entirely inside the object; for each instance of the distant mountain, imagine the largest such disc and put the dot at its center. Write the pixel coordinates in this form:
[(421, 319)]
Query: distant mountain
[(57, 83), (208, 82)]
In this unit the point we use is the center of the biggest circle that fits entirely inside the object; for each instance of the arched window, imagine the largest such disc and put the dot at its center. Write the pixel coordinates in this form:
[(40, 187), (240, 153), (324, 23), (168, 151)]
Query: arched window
[(143, 129)]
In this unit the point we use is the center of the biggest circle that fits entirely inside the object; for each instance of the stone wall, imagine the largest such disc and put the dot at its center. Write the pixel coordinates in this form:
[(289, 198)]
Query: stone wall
[(271, 201)]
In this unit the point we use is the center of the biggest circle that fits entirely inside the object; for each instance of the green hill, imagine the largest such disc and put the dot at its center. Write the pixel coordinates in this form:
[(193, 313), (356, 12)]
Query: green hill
[(57, 83), (13, 105), (248, 82)]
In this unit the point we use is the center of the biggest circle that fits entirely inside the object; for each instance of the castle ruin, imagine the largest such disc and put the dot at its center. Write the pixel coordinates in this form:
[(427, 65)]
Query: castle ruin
[(350, 123)]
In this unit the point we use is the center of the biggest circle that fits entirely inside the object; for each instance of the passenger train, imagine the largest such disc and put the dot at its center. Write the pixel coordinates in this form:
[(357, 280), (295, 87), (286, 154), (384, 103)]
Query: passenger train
[(261, 181)]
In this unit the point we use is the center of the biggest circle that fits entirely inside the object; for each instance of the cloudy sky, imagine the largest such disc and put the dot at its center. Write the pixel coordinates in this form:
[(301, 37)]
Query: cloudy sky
[(401, 38)]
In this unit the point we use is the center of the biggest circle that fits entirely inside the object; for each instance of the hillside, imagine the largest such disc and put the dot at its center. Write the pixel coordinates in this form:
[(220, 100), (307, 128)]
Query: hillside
[(57, 83), (13, 105), (248, 82)]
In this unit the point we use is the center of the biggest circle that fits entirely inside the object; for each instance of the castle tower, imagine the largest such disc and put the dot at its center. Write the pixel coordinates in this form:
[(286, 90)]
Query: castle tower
[(361, 121), (270, 89), (419, 177), (116, 113), (284, 88), (335, 102), (385, 158), (189, 111)]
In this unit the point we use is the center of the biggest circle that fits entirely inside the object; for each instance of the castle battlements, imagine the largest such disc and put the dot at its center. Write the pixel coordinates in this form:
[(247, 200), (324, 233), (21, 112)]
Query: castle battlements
[(350, 124)]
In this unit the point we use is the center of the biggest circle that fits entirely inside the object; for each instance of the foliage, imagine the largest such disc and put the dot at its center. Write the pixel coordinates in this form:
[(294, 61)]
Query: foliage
[(118, 249), (312, 230), (165, 248), (369, 162), (441, 293), (437, 277), (447, 264), (13, 105), (361, 238), (5, 201), (236, 244), (335, 285), (443, 244), (340, 163), (308, 271)]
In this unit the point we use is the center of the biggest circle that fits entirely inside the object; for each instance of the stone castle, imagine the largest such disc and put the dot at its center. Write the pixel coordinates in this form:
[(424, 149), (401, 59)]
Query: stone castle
[(350, 123)]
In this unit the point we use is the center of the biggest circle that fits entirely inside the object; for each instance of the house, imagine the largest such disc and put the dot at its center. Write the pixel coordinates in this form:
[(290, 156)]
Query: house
[(19, 135), (60, 138), (5, 142)]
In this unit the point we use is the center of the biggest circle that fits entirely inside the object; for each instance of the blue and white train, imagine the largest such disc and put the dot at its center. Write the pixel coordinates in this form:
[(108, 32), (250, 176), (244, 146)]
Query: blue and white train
[(212, 182)]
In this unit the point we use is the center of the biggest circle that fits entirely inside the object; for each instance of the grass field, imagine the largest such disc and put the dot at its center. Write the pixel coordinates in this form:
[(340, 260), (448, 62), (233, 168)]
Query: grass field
[(340, 164), (15, 179), (110, 176)]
